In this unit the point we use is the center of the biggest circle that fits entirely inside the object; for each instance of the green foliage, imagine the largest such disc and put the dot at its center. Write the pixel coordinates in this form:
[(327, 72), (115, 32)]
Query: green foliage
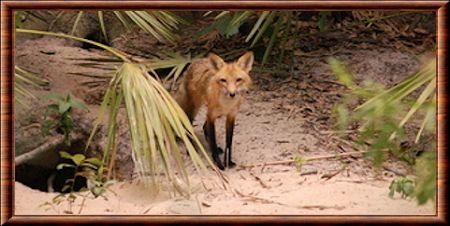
[(404, 186), (227, 23), (278, 31), (61, 114), (377, 125), (19, 18), (89, 168), (426, 169), (272, 28), (276, 25), (381, 123)]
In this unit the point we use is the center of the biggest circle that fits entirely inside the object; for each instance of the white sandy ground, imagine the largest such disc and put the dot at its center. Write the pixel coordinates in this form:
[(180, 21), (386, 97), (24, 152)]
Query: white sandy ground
[(279, 192)]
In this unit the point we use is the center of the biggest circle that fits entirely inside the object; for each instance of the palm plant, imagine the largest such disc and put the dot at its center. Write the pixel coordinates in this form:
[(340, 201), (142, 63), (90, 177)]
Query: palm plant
[(381, 123), (378, 103), (156, 122), (275, 24)]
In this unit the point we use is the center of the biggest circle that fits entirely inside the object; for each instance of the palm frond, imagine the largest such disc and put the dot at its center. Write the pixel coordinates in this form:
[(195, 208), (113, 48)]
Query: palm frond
[(159, 24), (22, 79), (272, 40), (75, 24), (227, 22), (378, 104), (267, 22), (102, 25), (257, 25), (174, 61)]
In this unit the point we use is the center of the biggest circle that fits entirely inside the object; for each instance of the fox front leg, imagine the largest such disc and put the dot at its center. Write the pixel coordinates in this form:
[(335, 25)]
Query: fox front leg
[(210, 134), (229, 141)]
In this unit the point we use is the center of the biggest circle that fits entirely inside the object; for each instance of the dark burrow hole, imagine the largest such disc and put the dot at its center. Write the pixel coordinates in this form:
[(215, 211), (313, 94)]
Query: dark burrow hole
[(96, 37), (41, 173)]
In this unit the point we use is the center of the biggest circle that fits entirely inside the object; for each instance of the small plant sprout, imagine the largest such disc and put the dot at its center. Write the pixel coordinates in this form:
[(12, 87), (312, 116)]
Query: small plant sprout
[(61, 114), (404, 186), (299, 161)]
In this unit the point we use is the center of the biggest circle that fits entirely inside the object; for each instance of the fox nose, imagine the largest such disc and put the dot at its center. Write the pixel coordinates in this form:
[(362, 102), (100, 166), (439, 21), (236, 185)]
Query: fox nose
[(232, 94)]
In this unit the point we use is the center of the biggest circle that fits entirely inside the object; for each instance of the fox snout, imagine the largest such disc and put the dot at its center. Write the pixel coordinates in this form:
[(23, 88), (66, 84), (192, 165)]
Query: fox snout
[(230, 94), (231, 90), (235, 92)]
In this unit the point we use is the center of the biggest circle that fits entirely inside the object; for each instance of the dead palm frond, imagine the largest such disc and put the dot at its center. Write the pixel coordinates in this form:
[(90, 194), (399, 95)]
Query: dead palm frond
[(22, 79), (173, 61), (156, 122)]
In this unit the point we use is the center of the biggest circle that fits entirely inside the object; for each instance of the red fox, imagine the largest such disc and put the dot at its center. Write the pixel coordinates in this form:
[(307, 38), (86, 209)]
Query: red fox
[(220, 86)]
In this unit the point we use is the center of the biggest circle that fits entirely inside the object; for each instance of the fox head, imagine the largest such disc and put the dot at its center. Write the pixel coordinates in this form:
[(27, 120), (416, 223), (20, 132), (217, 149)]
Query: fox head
[(232, 78)]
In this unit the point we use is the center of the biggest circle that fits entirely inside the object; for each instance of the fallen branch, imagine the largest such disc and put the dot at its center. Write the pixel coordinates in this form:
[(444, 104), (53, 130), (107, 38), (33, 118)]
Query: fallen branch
[(320, 207), (52, 142), (396, 172), (282, 162), (309, 172), (264, 185), (331, 175), (256, 198)]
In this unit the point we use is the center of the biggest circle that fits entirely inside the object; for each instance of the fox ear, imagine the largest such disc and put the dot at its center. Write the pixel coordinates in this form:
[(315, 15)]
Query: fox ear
[(216, 61), (246, 61)]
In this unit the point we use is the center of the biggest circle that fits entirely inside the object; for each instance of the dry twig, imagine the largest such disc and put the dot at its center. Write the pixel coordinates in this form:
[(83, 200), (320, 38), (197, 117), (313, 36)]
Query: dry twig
[(282, 162)]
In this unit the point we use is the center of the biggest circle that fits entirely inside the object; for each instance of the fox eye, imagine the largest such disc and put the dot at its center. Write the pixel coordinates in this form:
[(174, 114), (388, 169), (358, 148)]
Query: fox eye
[(239, 80), (222, 80)]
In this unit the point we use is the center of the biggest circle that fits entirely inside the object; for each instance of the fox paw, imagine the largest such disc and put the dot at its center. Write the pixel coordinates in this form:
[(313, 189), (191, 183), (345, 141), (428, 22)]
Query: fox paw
[(217, 161), (231, 164)]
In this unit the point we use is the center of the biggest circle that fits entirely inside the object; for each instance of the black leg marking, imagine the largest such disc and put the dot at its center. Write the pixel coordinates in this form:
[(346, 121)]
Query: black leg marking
[(210, 133), (229, 142)]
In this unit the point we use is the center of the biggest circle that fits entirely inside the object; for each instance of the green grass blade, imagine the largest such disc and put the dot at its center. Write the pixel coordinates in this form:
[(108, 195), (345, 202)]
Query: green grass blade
[(272, 41), (102, 25), (122, 19), (257, 25), (264, 27), (75, 24)]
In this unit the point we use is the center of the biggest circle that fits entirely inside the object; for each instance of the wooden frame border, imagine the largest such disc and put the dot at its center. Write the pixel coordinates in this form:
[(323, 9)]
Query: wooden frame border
[(7, 116)]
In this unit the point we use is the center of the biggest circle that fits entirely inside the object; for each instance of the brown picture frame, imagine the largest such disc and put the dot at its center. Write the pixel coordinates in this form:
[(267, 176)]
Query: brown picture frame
[(7, 114)]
